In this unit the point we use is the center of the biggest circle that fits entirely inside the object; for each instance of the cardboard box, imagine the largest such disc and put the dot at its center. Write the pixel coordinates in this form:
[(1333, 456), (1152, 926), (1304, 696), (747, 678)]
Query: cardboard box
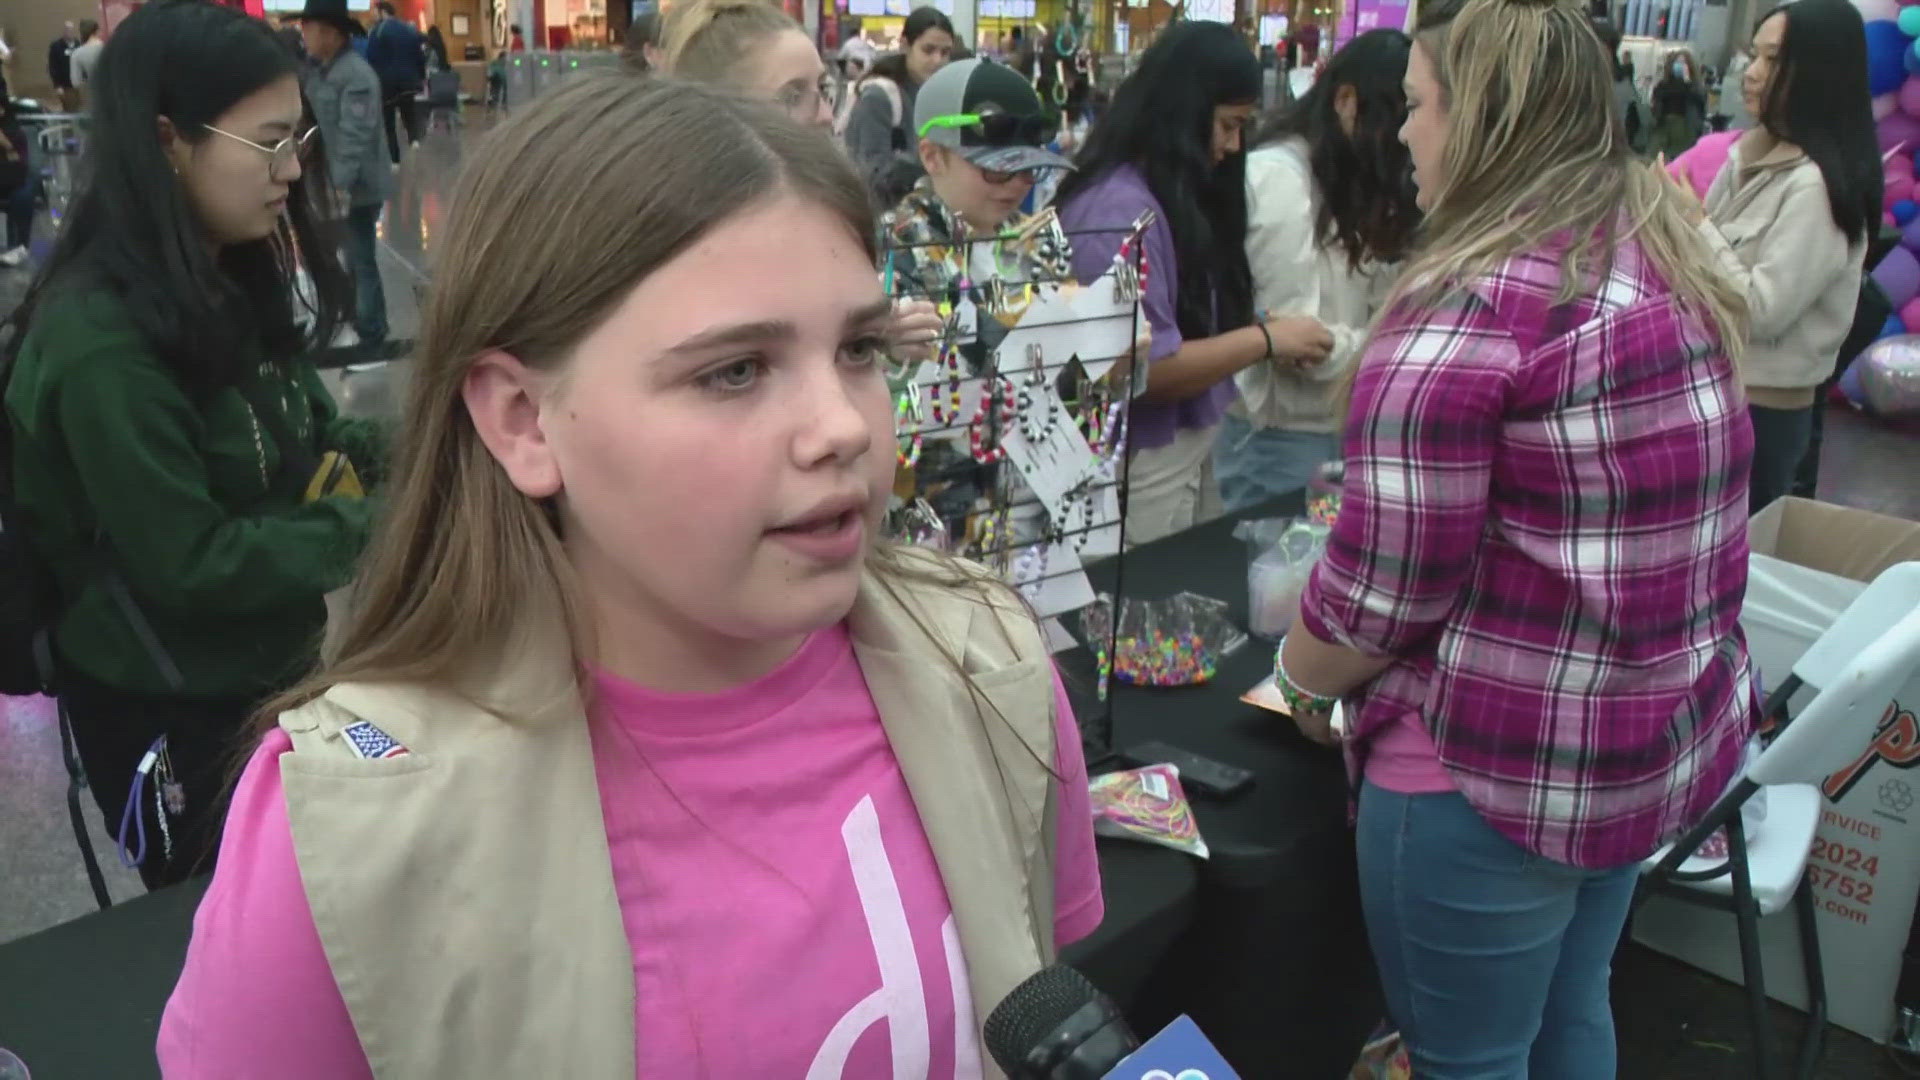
[(1809, 561)]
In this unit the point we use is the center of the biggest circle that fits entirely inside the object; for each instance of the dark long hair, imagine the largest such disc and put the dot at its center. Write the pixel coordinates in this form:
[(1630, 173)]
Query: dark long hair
[(1365, 181), (1818, 101), (919, 21), (1161, 123), (131, 229)]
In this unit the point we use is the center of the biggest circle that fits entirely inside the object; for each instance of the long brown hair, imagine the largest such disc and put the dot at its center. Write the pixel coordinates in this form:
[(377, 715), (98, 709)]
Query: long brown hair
[(1537, 152), (648, 166)]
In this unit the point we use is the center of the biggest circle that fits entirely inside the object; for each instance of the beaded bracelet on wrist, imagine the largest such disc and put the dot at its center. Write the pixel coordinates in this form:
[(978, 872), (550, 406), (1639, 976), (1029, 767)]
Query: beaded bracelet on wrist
[(1297, 699)]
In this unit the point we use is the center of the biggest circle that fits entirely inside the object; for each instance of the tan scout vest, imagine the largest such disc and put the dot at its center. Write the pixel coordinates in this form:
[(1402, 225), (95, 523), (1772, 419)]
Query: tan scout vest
[(464, 891)]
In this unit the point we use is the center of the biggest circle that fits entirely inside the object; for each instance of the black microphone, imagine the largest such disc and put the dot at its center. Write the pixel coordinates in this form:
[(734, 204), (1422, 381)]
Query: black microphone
[(1057, 1026)]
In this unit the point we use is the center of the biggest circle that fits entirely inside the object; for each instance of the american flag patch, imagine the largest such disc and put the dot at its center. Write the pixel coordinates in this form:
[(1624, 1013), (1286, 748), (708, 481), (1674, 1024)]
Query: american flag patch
[(369, 742)]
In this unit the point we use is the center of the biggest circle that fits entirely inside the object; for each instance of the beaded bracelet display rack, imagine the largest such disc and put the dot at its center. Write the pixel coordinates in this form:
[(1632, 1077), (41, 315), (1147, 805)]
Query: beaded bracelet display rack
[(1298, 700)]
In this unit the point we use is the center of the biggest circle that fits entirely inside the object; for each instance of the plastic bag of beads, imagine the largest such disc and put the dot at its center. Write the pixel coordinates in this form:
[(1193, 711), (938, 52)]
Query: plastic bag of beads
[(1146, 804), (1173, 642)]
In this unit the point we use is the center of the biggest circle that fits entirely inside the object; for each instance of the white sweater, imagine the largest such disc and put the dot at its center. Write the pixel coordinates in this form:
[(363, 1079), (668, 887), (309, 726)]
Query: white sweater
[(1293, 275), (1771, 229)]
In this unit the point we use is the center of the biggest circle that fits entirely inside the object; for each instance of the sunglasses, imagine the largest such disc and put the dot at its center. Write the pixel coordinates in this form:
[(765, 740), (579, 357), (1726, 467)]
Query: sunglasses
[(997, 128)]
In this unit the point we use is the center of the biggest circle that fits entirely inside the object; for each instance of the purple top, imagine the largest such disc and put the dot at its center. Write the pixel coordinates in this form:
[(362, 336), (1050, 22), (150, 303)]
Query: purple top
[(1544, 524), (1115, 201)]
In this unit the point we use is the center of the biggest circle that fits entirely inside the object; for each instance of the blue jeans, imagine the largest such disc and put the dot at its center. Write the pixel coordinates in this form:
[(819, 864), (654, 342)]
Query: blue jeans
[(1256, 464), (363, 261), (1494, 960)]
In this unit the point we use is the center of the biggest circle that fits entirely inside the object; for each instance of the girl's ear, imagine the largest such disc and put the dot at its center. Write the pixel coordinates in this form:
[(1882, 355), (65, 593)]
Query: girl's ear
[(505, 399)]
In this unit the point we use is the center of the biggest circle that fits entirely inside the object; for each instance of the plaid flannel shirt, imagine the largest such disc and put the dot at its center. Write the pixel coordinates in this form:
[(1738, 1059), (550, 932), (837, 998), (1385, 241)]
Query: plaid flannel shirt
[(1544, 524)]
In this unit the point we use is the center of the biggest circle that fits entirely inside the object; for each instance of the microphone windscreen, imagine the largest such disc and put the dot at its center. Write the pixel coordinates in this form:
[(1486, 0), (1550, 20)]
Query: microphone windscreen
[(1033, 1012)]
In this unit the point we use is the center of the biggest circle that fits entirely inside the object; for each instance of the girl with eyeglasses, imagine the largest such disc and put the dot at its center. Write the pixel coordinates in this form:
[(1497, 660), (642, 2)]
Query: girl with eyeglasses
[(753, 48), (175, 460), (756, 50)]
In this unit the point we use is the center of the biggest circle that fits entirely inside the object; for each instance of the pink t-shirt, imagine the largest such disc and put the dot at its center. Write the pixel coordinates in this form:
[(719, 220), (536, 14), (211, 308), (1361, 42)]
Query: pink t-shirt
[(1402, 758), (764, 829)]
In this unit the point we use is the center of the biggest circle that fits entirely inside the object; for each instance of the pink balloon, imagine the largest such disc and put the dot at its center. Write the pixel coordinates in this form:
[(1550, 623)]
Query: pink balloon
[(1910, 315), (1909, 95), (1899, 164), (1898, 188), (1877, 9), (1884, 105)]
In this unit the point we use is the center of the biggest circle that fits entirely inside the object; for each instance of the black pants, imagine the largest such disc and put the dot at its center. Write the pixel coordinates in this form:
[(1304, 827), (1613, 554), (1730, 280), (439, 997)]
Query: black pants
[(20, 211), (205, 740), (1807, 480), (1780, 441), (399, 99)]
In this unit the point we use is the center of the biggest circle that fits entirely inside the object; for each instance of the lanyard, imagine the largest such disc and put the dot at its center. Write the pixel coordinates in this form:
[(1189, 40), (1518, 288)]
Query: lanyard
[(169, 800)]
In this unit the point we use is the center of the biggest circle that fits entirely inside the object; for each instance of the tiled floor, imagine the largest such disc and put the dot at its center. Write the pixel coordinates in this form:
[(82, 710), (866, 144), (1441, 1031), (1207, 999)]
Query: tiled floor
[(1675, 1023)]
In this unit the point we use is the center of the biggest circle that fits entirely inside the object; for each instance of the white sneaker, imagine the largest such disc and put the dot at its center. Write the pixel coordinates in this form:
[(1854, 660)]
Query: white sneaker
[(14, 258), (414, 145)]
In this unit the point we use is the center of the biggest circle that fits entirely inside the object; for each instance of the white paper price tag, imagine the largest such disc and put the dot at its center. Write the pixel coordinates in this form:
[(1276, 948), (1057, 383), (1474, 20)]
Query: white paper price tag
[(1059, 462)]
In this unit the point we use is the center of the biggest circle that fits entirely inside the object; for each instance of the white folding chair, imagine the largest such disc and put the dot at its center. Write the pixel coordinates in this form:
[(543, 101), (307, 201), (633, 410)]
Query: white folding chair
[(1856, 666)]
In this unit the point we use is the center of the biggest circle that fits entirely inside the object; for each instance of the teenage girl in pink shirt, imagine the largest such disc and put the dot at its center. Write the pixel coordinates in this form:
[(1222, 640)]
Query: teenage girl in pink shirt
[(640, 752)]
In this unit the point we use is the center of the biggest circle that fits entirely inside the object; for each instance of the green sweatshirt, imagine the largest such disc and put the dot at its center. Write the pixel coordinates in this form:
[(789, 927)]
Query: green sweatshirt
[(117, 468)]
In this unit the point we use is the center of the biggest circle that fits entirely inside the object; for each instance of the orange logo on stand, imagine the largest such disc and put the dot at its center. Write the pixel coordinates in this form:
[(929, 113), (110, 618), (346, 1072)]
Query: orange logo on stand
[(1896, 741)]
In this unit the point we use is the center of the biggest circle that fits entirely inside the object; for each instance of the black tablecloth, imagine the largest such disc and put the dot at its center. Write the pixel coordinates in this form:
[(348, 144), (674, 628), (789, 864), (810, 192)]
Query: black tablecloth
[(1262, 943), (1275, 968)]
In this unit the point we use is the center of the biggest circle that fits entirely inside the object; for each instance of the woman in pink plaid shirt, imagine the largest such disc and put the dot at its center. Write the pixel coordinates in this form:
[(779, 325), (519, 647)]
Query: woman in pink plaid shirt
[(1531, 598)]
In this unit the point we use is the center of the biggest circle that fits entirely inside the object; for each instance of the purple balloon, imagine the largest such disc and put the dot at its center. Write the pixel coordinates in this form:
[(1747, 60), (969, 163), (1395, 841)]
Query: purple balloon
[(1910, 236), (1899, 275), (1901, 130), (1850, 385)]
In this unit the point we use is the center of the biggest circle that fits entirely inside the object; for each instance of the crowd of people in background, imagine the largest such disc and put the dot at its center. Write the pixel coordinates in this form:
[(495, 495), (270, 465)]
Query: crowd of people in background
[(1561, 352)]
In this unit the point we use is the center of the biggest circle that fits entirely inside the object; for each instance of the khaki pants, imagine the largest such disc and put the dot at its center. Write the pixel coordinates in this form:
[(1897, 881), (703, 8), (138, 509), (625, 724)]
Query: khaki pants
[(1170, 488)]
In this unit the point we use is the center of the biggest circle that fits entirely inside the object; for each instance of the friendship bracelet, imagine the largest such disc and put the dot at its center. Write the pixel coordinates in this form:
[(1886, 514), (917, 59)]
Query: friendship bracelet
[(1297, 698), (1268, 335)]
